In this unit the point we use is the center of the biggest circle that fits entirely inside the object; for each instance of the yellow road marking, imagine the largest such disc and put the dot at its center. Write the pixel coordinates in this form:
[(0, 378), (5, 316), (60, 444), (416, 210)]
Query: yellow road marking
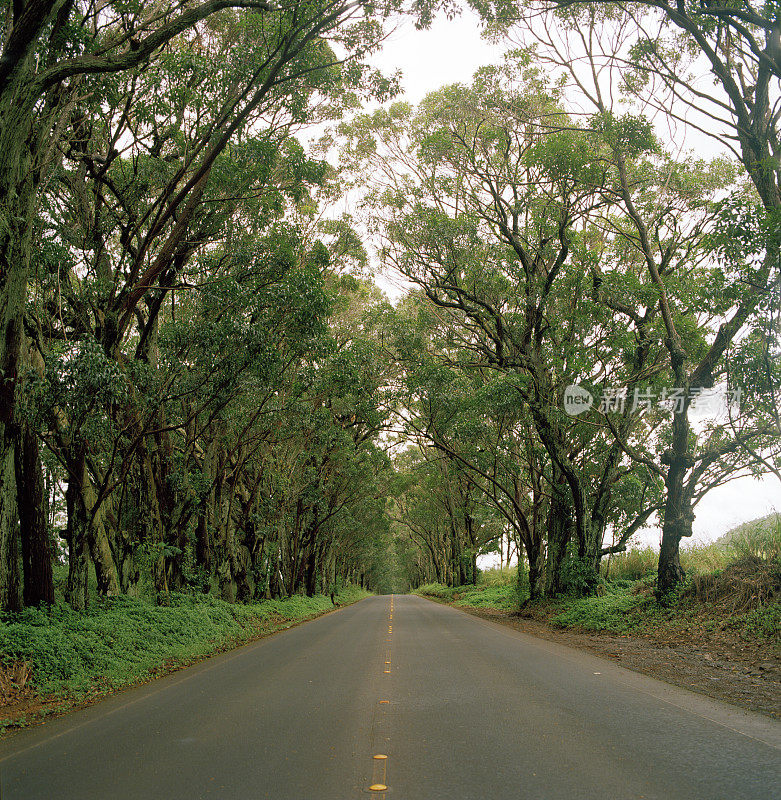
[(379, 773), (380, 760)]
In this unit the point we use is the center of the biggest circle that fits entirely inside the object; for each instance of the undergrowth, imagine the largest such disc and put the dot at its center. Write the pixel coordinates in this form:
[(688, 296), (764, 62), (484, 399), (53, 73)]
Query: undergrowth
[(121, 640), (732, 584), (504, 596)]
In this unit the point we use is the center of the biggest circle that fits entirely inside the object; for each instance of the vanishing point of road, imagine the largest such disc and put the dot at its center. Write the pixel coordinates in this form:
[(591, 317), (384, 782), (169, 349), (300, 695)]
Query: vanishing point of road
[(417, 700)]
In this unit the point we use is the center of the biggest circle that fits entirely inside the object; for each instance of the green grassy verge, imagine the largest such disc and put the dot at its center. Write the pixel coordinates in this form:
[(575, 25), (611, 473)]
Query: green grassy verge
[(122, 641), (632, 610), (504, 597), (623, 607), (733, 585)]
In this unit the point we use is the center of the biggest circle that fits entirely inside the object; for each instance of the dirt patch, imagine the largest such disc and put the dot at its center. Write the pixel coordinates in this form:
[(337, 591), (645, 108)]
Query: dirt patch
[(746, 674)]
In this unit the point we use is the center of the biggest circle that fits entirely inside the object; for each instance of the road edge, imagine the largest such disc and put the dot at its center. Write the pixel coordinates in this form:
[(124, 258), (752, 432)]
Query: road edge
[(61, 707), (752, 724)]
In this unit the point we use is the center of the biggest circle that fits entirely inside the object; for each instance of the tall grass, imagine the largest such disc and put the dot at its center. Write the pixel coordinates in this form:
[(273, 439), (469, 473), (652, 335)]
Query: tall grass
[(498, 576), (633, 565), (759, 541)]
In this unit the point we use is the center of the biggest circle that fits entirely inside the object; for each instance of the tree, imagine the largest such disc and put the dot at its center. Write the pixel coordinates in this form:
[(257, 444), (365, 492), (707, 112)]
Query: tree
[(631, 54), (486, 203), (63, 65)]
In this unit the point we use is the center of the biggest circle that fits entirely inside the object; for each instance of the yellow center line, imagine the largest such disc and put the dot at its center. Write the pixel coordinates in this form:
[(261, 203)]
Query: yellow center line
[(379, 781)]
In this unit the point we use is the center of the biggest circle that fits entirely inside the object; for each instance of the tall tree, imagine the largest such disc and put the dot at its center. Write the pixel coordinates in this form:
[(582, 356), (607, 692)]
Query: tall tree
[(62, 63)]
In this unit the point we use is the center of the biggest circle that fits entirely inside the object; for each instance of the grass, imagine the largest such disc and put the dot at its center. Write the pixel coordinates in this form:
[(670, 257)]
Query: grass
[(619, 611), (495, 589), (733, 584), (633, 565), (760, 539), (122, 641)]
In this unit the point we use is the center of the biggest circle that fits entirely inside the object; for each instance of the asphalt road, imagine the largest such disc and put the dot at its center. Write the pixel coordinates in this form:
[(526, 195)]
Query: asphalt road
[(474, 711)]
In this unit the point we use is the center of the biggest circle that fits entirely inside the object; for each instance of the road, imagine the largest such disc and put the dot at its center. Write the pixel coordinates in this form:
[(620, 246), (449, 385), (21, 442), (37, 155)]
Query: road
[(465, 709)]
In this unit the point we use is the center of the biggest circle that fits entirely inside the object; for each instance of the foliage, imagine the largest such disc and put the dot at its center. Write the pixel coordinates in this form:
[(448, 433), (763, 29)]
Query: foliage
[(578, 576), (121, 640), (733, 588), (203, 392), (503, 597), (608, 612)]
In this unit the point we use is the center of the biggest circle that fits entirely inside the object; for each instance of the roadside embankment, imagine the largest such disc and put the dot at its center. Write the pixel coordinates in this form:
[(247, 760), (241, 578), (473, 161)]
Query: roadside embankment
[(52, 660)]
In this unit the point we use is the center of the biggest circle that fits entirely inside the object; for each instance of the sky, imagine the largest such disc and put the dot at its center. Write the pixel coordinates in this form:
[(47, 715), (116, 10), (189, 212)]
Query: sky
[(449, 52)]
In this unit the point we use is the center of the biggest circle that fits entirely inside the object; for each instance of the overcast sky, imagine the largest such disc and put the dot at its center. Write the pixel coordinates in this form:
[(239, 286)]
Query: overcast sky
[(450, 52)]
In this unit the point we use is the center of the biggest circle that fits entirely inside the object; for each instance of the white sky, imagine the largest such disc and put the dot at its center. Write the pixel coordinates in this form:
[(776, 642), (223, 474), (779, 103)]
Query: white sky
[(450, 52)]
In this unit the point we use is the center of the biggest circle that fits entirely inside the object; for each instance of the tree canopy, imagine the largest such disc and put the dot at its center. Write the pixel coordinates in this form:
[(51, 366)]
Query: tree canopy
[(201, 387)]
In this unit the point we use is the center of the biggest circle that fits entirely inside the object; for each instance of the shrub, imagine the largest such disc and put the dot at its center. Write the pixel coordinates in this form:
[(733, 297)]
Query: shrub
[(435, 590), (608, 612), (578, 576), (503, 597)]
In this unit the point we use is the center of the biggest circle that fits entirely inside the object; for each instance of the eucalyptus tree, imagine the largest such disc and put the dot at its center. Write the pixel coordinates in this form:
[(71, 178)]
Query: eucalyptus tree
[(473, 425), (714, 69), (133, 137), (101, 87), (436, 507), (253, 286), (486, 196), (626, 60)]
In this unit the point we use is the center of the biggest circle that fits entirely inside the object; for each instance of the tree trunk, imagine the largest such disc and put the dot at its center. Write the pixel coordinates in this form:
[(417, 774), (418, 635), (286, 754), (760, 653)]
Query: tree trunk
[(18, 173), (124, 557), (678, 513), (536, 556), (678, 520), (87, 531), (36, 546), (76, 591), (94, 514), (14, 264), (203, 536), (559, 526), (10, 562)]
